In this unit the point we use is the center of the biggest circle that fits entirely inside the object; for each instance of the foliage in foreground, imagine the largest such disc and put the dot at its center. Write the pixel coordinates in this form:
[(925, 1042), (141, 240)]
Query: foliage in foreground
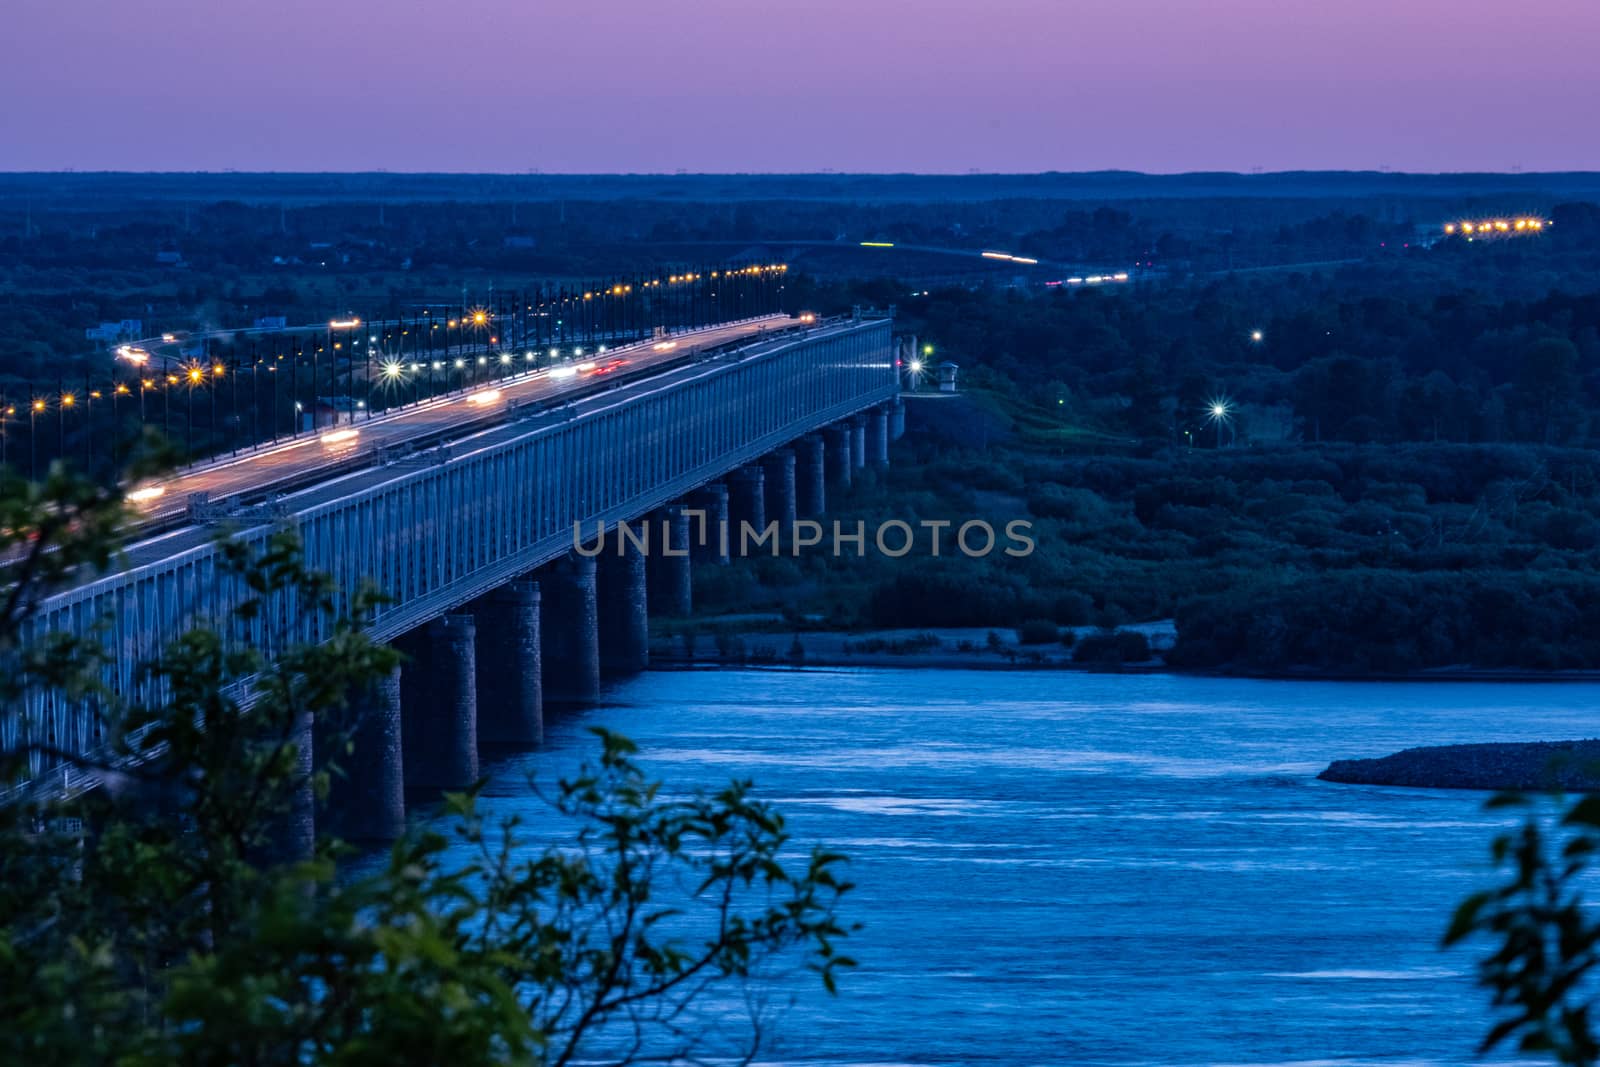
[(178, 930), (1542, 970)]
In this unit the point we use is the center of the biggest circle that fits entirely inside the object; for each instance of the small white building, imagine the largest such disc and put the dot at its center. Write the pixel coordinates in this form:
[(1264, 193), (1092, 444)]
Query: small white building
[(112, 332)]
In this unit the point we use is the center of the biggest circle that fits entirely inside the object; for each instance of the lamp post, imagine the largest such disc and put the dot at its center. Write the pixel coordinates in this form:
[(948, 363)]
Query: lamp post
[(65, 401), (119, 389), (35, 405), (1220, 411)]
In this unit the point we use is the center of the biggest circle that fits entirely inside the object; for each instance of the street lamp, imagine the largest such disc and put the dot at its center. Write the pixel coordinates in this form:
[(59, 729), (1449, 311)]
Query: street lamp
[(34, 408), (1256, 336), (1220, 411)]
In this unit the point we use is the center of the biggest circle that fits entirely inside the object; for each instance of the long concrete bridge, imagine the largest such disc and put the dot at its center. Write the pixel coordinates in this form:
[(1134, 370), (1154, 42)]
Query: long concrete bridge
[(473, 541)]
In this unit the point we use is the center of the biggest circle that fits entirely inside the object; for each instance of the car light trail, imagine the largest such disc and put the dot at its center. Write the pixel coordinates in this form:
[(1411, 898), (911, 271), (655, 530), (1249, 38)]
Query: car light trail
[(339, 437), (147, 494), (563, 372), (877, 244), (666, 346), (486, 396)]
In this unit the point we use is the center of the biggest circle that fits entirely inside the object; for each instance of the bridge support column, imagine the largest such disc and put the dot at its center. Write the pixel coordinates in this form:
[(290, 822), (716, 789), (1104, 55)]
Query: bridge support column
[(710, 528), (897, 419), (782, 505), (878, 437), (367, 799), (668, 578), (858, 441), (624, 609), (510, 694), (839, 466), (746, 501), (439, 705), (570, 632), (810, 480), (293, 836)]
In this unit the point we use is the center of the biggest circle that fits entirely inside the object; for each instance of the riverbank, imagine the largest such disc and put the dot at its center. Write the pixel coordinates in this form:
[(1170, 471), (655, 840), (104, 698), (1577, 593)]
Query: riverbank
[(768, 639), (761, 640), (1532, 766)]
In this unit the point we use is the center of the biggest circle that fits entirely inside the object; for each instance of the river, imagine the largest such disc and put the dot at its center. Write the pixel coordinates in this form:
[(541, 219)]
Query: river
[(1066, 868)]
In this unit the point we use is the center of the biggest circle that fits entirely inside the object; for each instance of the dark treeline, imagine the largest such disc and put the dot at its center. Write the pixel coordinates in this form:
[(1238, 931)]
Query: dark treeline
[(1405, 476)]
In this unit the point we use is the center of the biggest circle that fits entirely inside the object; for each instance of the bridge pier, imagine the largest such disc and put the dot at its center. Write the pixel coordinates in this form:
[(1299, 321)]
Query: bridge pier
[(367, 799), (897, 419), (509, 666), (839, 465), (439, 705), (878, 437), (570, 632), (624, 609), (811, 494), (782, 506), (747, 503), (711, 529), (669, 585), (294, 834), (858, 441)]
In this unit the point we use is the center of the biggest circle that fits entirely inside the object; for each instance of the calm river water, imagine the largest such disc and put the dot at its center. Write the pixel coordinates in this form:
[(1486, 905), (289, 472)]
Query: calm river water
[(1061, 868)]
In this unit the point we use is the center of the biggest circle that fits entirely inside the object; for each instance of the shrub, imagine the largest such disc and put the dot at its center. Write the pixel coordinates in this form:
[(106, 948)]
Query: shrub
[(1112, 647), (1038, 632)]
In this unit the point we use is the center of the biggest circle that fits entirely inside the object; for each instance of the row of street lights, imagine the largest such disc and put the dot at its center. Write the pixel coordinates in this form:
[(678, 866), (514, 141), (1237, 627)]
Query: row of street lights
[(358, 367)]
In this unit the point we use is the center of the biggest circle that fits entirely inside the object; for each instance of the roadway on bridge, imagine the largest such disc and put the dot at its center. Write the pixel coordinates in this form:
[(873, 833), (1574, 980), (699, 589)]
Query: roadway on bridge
[(336, 447), (338, 485)]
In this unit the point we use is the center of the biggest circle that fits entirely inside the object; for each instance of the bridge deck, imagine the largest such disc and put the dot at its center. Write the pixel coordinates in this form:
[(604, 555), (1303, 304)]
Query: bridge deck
[(294, 461)]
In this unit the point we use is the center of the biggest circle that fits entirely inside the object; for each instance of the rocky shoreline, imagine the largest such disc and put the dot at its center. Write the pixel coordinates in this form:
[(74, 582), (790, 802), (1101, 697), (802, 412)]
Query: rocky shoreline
[(1534, 766)]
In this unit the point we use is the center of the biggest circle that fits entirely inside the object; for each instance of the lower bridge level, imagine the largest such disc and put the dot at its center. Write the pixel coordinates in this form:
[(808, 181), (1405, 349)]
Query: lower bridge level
[(479, 678)]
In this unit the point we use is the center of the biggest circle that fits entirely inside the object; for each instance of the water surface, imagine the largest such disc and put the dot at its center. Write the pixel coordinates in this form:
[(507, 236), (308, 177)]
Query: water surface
[(1060, 868)]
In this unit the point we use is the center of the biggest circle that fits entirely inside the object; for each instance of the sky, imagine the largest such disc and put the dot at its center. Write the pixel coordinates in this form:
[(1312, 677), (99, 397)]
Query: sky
[(649, 86)]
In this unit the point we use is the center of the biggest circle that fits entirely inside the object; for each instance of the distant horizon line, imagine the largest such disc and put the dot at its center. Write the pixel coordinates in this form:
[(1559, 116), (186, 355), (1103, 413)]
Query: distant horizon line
[(829, 173)]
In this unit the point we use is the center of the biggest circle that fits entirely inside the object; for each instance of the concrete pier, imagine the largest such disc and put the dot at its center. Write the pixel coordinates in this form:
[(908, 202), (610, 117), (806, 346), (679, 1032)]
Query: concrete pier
[(878, 437), (782, 503), (747, 503), (439, 704), (839, 465), (294, 833), (624, 610), (569, 632), (367, 798), (858, 441), (509, 658), (710, 531), (810, 477), (897, 419), (668, 576)]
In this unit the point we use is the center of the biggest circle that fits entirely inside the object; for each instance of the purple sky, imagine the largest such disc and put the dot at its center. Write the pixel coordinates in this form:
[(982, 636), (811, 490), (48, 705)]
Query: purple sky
[(746, 85)]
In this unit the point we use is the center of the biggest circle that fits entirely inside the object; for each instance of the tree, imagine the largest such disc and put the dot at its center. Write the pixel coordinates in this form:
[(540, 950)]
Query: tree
[(174, 928), (1547, 387), (1541, 970)]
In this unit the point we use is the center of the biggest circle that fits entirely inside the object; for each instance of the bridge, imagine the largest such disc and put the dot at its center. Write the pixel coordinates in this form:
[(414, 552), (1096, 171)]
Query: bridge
[(472, 537)]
